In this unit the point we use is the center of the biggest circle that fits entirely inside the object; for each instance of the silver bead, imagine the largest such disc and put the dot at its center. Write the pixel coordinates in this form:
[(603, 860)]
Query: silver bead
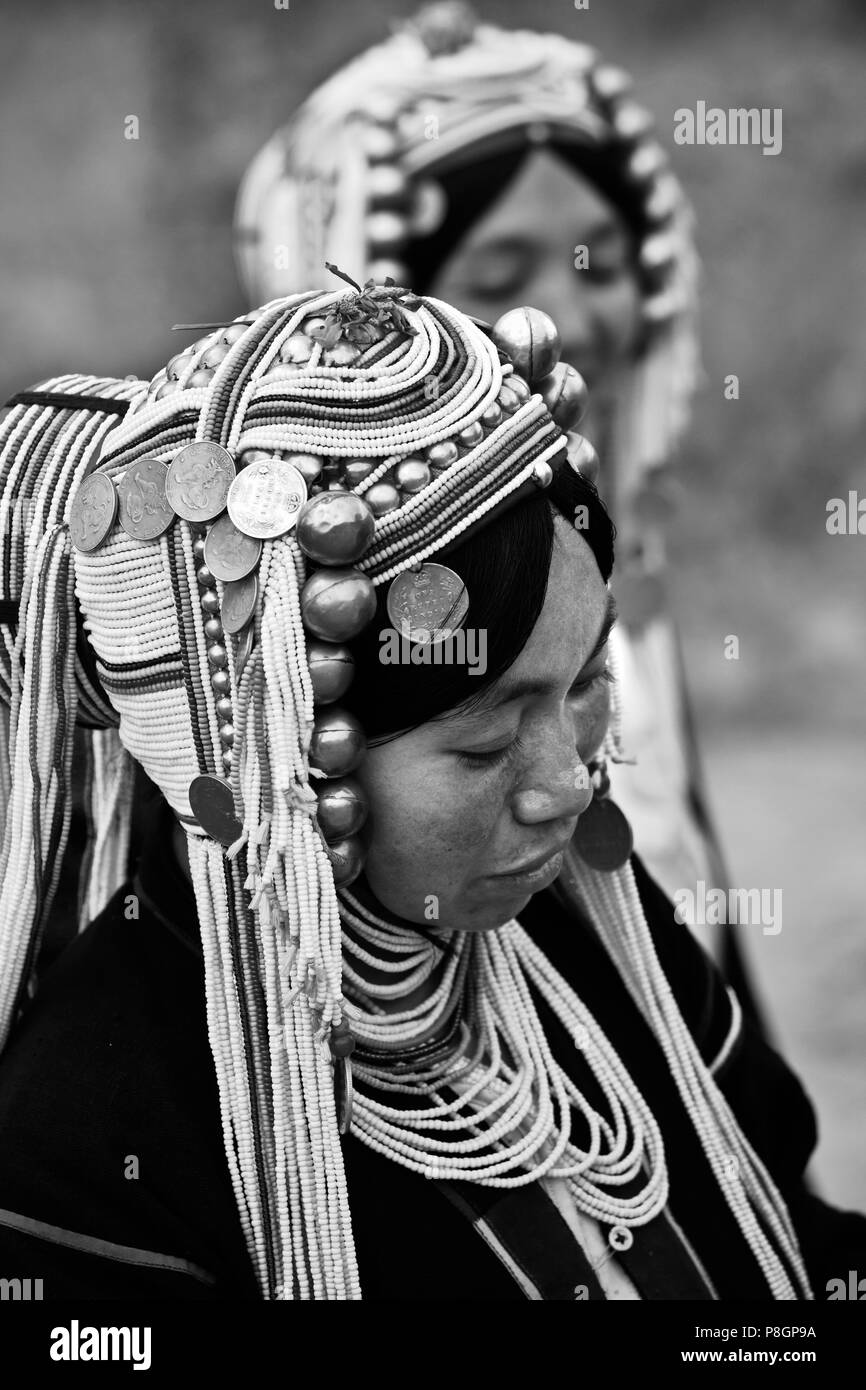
[(167, 389), (531, 339), (217, 655), (342, 354), (341, 809), (297, 348), (356, 470), (198, 550), (542, 475), (221, 682), (204, 577), (203, 377), (518, 386), (233, 332), (308, 465), (213, 629), (210, 601), (382, 498), (492, 416), (227, 735), (313, 325), (224, 709), (471, 435), (215, 354), (228, 759), (443, 454), (411, 475)]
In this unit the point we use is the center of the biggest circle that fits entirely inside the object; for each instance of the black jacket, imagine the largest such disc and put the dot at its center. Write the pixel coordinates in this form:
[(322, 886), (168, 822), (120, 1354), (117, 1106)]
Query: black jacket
[(114, 1183)]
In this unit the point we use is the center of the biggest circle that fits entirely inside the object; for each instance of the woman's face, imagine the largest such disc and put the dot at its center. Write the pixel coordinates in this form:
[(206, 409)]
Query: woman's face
[(470, 813), (523, 251)]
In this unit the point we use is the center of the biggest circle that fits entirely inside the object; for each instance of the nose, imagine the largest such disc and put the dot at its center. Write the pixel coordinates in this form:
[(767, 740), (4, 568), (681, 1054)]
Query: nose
[(557, 786)]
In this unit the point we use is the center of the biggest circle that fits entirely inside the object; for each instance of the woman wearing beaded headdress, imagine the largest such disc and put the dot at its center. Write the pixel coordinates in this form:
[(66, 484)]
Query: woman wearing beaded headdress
[(389, 1008), (488, 166)]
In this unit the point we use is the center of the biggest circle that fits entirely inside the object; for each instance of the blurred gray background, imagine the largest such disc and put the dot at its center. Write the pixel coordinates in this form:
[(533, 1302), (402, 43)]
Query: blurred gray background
[(105, 242)]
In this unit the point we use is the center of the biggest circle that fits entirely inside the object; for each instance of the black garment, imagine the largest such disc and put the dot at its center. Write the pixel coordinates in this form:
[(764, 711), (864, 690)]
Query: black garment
[(110, 1064)]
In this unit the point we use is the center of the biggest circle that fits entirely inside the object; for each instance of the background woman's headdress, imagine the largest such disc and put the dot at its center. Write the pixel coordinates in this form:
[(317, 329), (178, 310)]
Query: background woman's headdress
[(352, 178)]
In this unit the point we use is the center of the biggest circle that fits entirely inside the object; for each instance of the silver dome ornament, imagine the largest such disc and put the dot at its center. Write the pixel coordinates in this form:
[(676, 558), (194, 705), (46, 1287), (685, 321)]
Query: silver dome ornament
[(297, 348), (202, 377), (347, 860), (308, 465), (382, 498), (492, 416), (411, 475), (337, 604), (542, 475), (582, 457), (342, 354), (341, 809), (167, 388), (338, 744), (335, 528), (471, 436), (233, 332), (519, 388), (565, 395), (442, 455), (531, 339), (356, 470), (332, 668), (215, 354)]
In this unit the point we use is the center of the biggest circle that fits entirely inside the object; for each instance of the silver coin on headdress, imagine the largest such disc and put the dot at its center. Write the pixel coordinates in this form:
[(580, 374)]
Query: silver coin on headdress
[(239, 602), (265, 498), (93, 512), (213, 806), (428, 604), (199, 478), (230, 554), (144, 510)]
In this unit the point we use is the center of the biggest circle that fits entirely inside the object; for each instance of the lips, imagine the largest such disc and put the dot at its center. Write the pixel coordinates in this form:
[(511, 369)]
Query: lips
[(539, 861)]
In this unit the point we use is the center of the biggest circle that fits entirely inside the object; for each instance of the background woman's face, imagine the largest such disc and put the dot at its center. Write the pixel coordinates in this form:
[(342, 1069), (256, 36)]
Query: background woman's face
[(470, 812), (522, 251)]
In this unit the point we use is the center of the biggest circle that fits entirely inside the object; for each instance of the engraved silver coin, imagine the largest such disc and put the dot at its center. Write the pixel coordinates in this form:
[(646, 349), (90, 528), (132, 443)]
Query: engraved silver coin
[(229, 553), (265, 498), (245, 646), (239, 602), (431, 602), (144, 509), (93, 512), (199, 478)]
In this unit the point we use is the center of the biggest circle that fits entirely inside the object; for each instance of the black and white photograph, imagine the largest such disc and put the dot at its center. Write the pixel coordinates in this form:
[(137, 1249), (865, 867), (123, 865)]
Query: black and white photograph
[(432, 671)]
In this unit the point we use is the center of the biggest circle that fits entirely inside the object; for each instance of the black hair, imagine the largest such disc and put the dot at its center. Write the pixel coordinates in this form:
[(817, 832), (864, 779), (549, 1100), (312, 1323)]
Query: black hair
[(505, 567)]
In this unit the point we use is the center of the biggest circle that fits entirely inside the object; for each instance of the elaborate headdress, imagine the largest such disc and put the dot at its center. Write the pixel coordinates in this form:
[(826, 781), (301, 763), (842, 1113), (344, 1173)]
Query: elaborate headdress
[(222, 541), (352, 178)]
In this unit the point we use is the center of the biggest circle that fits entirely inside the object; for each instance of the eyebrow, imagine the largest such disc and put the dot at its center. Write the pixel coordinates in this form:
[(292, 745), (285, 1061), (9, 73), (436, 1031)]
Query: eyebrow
[(520, 690)]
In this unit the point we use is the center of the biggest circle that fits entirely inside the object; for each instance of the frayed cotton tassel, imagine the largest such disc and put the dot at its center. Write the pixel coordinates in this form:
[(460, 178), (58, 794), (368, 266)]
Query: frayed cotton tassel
[(109, 790), (41, 728)]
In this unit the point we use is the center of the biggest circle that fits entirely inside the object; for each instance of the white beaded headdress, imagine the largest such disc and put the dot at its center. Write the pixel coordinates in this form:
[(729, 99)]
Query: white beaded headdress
[(215, 601), (348, 179)]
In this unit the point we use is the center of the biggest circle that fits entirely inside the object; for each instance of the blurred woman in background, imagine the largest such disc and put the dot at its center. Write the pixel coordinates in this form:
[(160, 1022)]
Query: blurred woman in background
[(492, 168)]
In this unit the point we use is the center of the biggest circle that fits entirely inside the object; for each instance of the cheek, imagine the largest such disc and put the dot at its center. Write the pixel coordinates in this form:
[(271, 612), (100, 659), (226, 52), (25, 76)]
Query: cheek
[(429, 810)]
